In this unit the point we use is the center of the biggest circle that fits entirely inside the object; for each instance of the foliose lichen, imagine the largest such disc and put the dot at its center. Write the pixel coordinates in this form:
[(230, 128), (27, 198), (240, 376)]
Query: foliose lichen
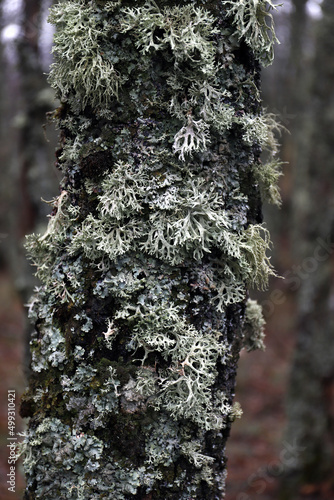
[(151, 247)]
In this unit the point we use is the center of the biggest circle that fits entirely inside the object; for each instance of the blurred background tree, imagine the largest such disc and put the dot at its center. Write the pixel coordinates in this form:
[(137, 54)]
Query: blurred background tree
[(271, 448), (26, 174), (27, 153), (310, 408)]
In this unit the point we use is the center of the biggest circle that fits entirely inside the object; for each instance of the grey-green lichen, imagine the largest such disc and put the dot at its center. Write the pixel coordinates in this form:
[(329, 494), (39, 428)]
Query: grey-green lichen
[(255, 24), (84, 457), (253, 326), (85, 67), (150, 249)]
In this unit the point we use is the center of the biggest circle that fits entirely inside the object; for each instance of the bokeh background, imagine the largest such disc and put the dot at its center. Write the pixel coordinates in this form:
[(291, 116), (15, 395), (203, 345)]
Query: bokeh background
[(283, 446)]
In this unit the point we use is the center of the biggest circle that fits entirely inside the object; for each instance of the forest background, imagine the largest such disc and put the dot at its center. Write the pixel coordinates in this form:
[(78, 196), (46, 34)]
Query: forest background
[(286, 392)]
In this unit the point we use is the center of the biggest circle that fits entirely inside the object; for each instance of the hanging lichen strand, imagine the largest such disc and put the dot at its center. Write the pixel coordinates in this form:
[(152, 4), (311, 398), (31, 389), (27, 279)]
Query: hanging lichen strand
[(150, 248)]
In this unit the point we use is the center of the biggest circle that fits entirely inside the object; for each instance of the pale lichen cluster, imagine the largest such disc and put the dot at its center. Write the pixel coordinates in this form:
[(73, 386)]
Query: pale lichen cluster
[(150, 250), (255, 24)]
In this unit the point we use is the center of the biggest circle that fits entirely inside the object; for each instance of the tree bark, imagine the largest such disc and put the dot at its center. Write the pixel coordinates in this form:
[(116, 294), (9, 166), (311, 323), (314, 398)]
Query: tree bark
[(150, 248)]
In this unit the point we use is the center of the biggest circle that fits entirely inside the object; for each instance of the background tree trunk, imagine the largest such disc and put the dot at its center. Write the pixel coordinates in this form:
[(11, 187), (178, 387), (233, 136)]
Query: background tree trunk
[(150, 248), (3, 226), (26, 177), (311, 391), (35, 177)]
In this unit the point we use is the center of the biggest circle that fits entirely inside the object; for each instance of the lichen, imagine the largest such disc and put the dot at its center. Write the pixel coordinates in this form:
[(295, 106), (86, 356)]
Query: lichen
[(253, 326), (183, 388), (255, 24), (150, 249), (267, 175), (85, 63)]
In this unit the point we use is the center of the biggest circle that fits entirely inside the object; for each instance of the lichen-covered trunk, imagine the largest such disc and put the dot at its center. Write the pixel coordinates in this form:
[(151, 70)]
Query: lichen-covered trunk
[(150, 248)]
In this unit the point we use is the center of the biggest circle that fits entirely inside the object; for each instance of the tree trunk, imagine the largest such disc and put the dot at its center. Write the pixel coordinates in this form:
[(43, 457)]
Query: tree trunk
[(3, 151), (31, 178), (311, 390), (150, 248)]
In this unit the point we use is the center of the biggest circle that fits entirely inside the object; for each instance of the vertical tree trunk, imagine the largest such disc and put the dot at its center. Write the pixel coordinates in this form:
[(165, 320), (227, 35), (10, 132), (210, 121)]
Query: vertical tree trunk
[(26, 176), (31, 83), (3, 152), (150, 248), (311, 390), (298, 25)]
